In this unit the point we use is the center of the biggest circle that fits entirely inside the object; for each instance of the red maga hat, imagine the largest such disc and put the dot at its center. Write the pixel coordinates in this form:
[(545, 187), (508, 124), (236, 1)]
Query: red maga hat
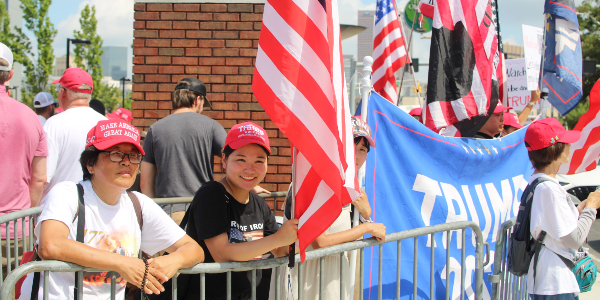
[(546, 132), (73, 78), (511, 119), (501, 108), (416, 111), (247, 133), (108, 133), (121, 113)]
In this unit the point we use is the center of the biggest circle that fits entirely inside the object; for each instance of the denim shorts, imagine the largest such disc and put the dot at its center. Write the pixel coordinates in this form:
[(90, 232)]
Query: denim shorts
[(570, 296)]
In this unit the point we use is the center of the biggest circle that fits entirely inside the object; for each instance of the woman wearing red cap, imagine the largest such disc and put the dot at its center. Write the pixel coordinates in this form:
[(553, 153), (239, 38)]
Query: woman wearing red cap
[(112, 225), (230, 222), (553, 212)]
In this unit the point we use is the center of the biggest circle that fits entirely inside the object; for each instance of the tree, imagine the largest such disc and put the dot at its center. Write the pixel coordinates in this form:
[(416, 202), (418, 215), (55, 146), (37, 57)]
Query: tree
[(88, 57), (16, 40), (112, 97), (35, 15)]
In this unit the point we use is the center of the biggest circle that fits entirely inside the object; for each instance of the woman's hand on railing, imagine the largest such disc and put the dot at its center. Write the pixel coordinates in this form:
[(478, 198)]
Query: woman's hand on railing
[(377, 230), (164, 265), (133, 270)]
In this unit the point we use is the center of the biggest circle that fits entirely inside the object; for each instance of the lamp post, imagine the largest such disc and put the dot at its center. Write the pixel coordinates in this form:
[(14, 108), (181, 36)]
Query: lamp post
[(123, 80), (75, 42)]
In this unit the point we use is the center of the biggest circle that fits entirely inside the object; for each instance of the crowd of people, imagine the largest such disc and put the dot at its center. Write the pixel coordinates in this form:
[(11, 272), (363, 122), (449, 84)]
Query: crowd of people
[(80, 163)]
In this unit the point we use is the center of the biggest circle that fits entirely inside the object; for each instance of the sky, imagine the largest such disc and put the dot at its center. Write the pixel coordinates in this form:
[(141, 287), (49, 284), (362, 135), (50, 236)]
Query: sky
[(115, 23)]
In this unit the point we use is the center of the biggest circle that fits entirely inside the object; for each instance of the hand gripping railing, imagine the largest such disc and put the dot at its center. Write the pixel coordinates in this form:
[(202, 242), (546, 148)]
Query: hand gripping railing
[(505, 285), (56, 266)]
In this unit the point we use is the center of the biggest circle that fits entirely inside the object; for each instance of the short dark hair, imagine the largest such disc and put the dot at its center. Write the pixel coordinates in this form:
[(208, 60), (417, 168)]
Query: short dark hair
[(541, 158), (4, 74), (228, 150), (183, 97), (359, 138), (89, 157)]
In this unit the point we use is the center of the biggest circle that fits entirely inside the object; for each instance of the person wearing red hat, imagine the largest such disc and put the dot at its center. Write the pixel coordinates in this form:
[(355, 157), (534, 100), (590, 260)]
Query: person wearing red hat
[(230, 222), (511, 124), (416, 113), (66, 131), (113, 223), (121, 113), (494, 125), (552, 212)]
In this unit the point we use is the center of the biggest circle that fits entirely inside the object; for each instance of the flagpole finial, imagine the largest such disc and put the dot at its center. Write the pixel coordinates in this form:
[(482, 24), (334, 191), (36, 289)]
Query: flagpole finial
[(366, 85), (367, 63)]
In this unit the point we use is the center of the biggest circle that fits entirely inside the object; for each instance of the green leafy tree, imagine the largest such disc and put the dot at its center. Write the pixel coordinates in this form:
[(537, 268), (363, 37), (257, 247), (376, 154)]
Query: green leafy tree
[(15, 39), (112, 97), (88, 57), (35, 15)]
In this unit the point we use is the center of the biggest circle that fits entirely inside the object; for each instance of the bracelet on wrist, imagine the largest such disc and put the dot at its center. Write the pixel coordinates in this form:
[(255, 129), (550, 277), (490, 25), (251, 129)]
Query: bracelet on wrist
[(363, 220)]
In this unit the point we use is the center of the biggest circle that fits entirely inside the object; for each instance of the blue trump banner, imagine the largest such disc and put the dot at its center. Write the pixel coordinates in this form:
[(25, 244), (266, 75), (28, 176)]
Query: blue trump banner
[(417, 178), (562, 59)]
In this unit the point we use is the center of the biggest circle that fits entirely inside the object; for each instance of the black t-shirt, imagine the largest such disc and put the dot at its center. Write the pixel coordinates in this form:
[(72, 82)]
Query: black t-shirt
[(213, 212)]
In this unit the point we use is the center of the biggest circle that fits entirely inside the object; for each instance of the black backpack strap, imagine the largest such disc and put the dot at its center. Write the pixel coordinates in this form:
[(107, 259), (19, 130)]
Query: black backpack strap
[(80, 233), (538, 246), (138, 209)]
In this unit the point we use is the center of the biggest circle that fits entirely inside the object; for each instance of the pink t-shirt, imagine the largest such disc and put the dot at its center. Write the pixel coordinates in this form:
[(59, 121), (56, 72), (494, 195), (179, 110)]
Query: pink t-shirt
[(21, 138)]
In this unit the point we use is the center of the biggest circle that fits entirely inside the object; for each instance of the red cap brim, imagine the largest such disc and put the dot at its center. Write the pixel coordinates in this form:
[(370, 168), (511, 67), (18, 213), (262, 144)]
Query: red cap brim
[(111, 142), (570, 136), (243, 142), (56, 81)]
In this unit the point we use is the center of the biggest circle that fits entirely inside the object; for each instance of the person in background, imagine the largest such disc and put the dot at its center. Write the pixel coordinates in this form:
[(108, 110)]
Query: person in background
[(45, 106), (114, 231), (66, 132), (341, 231), (98, 106), (23, 152), (230, 222), (416, 113), (511, 124), (180, 148), (494, 125), (121, 113), (552, 211)]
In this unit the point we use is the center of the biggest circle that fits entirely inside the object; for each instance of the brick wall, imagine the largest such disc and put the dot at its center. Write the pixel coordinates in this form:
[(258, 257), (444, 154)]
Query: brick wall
[(217, 44)]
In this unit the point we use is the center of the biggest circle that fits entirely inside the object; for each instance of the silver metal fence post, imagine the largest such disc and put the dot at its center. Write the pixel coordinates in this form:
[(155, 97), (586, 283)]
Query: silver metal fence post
[(253, 284), (432, 264), (362, 272), (228, 285), (448, 264), (300, 280), (342, 290), (46, 284), (8, 264), (462, 267), (380, 273), (277, 283), (31, 221), (24, 235), (321, 277), (174, 286), (79, 284), (398, 262), (16, 242), (113, 286), (202, 286), (416, 252)]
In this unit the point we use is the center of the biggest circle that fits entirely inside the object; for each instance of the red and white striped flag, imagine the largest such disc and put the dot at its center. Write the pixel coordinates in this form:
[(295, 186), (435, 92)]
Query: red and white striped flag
[(585, 153), (299, 81), (389, 50)]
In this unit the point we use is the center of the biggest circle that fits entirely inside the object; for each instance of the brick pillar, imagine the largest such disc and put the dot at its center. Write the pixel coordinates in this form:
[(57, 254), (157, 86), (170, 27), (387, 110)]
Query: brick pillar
[(216, 43)]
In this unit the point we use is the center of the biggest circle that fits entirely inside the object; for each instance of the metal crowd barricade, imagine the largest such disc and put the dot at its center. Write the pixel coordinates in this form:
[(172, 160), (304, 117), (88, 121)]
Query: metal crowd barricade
[(57, 266), (505, 285), (11, 248)]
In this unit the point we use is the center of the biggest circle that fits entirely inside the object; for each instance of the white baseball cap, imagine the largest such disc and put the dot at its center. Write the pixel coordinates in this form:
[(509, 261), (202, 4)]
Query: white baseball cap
[(6, 54), (43, 99)]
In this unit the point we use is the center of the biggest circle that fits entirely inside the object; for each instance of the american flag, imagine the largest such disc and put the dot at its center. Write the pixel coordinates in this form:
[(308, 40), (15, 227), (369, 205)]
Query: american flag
[(299, 81), (389, 51), (585, 153)]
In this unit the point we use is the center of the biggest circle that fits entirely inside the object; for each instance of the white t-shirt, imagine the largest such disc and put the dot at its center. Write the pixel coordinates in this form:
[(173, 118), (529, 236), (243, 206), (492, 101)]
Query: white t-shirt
[(42, 119), (554, 212), (66, 134), (111, 228)]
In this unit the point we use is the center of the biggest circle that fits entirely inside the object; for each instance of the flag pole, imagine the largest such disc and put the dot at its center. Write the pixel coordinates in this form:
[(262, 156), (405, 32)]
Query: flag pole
[(292, 254), (407, 51), (366, 87), (541, 76)]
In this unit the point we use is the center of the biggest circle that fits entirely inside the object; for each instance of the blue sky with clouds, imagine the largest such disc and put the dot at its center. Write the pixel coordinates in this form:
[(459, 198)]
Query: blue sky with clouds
[(115, 23)]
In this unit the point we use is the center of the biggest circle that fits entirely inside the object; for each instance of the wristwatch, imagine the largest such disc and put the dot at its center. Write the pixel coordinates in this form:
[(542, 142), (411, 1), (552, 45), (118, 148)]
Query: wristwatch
[(531, 104), (363, 220)]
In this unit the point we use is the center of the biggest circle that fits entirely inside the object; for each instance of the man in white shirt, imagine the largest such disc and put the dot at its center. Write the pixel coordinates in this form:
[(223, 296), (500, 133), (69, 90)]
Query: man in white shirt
[(44, 105), (66, 132)]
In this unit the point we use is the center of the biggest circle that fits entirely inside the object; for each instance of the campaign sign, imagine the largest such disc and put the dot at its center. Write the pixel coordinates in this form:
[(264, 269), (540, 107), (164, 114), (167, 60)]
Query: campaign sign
[(417, 178), (533, 38), (516, 81)]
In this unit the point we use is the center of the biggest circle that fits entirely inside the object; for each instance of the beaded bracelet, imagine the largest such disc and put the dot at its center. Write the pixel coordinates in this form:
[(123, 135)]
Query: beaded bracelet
[(144, 278)]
